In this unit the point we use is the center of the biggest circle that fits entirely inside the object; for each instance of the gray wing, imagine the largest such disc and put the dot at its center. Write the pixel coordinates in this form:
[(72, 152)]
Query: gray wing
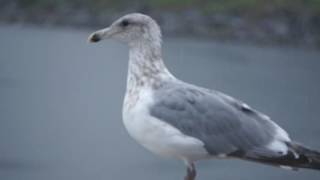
[(224, 124)]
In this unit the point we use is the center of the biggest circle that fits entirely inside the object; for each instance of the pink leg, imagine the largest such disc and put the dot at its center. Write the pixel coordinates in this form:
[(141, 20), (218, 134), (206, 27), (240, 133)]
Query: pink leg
[(191, 172)]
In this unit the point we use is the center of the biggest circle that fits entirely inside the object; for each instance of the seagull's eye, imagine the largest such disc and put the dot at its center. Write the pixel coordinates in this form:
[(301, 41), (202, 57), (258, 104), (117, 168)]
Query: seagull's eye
[(124, 23)]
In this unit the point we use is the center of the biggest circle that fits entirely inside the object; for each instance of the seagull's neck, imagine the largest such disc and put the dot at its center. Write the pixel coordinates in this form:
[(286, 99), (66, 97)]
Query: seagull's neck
[(146, 67)]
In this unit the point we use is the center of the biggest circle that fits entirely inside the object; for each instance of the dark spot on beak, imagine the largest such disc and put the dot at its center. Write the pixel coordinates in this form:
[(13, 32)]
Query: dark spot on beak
[(95, 38)]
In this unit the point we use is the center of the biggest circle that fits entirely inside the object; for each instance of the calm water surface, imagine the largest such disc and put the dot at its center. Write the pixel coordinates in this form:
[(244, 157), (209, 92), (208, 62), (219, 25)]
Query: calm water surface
[(61, 98)]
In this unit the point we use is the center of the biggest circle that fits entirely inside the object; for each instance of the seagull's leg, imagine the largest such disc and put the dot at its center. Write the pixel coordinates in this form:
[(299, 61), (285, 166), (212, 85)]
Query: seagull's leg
[(191, 171)]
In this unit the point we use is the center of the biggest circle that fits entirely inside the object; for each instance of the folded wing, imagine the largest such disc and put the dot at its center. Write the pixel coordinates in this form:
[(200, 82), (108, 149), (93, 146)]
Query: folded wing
[(225, 125)]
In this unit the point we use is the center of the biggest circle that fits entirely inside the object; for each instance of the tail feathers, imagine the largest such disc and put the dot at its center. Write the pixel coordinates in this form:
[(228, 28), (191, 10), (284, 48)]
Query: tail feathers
[(304, 157), (297, 157)]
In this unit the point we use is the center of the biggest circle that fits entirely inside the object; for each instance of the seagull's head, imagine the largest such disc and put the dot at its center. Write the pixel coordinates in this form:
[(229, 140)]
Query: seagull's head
[(131, 29)]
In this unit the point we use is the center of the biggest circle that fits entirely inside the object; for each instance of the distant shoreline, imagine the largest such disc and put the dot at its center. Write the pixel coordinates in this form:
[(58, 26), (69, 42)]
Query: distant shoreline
[(279, 27)]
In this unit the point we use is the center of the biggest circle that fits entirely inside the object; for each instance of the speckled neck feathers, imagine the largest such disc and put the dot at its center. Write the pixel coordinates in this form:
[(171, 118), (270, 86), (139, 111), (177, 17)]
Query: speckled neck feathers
[(146, 67)]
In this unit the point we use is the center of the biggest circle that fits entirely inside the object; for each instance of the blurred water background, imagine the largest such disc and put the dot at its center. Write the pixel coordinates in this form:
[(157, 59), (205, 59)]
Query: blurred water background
[(61, 98), (294, 22)]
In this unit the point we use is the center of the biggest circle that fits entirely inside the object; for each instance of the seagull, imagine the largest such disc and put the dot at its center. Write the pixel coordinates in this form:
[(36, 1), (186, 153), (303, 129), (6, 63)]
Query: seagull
[(179, 120)]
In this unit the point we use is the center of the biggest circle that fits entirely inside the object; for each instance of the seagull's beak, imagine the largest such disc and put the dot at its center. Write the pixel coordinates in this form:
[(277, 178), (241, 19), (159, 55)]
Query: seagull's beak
[(100, 35)]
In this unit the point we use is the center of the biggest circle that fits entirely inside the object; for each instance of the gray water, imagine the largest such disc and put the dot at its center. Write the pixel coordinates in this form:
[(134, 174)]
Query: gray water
[(60, 104)]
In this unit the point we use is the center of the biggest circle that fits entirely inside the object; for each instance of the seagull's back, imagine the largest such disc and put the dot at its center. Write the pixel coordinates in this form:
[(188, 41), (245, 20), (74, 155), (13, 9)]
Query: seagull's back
[(225, 125)]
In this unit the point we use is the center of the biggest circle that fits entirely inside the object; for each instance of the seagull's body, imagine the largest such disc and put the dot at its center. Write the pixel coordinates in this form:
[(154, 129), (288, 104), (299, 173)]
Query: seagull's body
[(156, 135), (175, 119), (145, 79)]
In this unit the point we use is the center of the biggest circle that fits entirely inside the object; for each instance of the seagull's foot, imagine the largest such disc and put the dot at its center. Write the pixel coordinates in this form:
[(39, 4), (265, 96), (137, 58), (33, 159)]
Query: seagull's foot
[(191, 172)]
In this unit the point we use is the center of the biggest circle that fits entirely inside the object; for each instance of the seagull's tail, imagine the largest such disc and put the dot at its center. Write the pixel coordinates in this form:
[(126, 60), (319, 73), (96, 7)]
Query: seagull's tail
[(297, 157), (303, 157)]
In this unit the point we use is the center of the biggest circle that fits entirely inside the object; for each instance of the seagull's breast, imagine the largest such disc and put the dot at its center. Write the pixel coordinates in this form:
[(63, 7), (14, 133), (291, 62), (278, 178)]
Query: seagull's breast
[(156, 135)]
